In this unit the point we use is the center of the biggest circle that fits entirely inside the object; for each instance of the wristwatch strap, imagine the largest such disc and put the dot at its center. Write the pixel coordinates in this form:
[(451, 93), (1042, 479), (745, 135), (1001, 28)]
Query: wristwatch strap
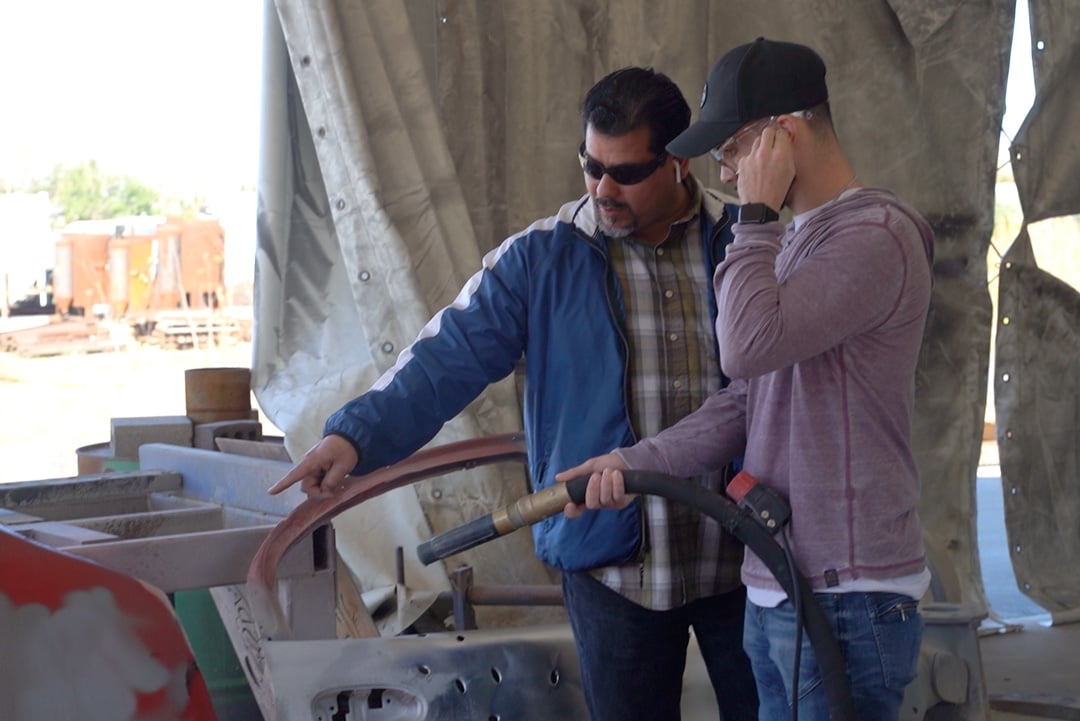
[(757, 213)]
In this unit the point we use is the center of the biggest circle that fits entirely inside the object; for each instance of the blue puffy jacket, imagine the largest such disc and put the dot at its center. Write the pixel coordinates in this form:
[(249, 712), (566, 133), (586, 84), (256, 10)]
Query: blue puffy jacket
[(547, 293)]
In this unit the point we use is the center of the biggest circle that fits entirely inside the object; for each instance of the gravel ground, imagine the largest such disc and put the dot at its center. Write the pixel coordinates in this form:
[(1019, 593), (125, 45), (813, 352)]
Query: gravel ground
[(53, 405)]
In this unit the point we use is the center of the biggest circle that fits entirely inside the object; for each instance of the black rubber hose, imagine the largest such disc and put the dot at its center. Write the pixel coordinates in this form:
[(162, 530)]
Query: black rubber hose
[(746, 529), (738, 523), (462, 538)]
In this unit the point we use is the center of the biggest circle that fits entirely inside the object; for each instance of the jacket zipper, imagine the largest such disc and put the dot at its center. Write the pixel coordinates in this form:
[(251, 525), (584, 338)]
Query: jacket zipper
[(718, 227), (593, 243)]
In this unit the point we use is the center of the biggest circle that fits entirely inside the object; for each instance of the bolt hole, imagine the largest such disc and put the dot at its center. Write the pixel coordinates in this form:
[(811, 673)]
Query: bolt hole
[(496, 674), (424, 670), (554, 677), (460, 639), (459, 685)]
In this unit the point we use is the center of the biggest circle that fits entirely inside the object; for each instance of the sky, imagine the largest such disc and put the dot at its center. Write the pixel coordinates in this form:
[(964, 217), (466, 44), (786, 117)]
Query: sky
[(165, 91), (1020, 92)]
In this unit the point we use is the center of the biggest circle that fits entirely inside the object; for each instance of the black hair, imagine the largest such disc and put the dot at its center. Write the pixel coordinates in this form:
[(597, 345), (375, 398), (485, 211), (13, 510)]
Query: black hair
[(632, 98)]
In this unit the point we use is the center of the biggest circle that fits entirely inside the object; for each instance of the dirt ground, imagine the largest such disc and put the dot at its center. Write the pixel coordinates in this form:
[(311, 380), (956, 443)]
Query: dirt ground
[(51, 406)]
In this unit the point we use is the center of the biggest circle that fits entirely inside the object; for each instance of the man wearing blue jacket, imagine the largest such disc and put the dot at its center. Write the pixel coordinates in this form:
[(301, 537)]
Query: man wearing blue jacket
[(610, 301)]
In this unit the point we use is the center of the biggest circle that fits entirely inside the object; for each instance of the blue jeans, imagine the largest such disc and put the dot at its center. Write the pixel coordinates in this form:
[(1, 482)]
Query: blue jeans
[(632, 659), (879, 636)]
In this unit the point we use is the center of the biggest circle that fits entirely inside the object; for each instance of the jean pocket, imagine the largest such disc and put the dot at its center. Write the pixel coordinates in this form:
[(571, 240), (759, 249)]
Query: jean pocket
[(898, 628)]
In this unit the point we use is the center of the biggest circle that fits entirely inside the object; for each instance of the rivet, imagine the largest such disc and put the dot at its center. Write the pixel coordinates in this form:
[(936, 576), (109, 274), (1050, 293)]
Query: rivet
[(365, 276), (1041, 45), (1009, 434), (341, 205), (1027, 586), (1005, 320), (436, 493), (443, 19), (321, 132), (1013, 490), (1008, 265), (387, 347), (1005, 377), (306, 60), (1017, 548)]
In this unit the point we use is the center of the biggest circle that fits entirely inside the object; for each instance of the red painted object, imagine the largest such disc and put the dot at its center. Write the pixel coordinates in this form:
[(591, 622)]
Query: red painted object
[(80, 641)]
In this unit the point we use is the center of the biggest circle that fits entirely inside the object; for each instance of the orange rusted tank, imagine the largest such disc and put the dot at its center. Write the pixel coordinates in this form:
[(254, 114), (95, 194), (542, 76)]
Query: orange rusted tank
[(137, 266), (81, 279), (202, 262)]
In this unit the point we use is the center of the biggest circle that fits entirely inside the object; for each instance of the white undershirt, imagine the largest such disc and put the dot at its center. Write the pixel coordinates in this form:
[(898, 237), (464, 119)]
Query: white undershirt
[(913, 585)]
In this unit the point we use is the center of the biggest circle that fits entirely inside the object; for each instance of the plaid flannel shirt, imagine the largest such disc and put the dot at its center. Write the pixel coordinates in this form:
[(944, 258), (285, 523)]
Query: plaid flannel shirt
[(673, 367)]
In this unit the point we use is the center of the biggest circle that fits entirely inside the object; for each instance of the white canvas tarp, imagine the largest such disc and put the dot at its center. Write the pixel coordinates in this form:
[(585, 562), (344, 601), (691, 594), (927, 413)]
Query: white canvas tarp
[(404, 138)]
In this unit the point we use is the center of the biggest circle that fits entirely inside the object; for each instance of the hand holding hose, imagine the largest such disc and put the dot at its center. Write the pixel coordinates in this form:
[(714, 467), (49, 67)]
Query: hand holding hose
[(606, 488)]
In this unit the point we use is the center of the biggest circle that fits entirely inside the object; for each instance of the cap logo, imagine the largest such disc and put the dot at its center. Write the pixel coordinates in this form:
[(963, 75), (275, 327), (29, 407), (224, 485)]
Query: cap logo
[(704, 95)]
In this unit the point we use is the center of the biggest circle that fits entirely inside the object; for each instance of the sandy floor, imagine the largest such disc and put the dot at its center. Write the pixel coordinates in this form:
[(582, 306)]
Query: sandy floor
[(51, 406)]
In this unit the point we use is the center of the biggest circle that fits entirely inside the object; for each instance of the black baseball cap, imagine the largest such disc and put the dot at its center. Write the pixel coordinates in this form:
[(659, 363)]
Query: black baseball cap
[(752, 81)]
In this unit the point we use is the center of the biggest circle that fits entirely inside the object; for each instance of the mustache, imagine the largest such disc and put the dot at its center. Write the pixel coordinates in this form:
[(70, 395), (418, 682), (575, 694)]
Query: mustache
[(611, 204)]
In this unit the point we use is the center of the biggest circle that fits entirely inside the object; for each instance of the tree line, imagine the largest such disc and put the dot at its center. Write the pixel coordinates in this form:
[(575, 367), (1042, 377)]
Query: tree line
[(86, 192)]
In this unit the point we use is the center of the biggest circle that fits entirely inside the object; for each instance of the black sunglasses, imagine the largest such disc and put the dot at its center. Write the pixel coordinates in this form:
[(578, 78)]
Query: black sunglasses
[(623, 174)]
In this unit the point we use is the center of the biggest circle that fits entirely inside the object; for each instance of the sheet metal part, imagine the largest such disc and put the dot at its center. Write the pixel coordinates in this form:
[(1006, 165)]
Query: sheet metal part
[(495, 674)]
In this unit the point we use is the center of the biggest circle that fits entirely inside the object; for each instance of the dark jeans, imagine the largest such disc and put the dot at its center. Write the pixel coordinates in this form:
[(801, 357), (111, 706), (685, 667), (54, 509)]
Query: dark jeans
[(632, 659), (879, 636)]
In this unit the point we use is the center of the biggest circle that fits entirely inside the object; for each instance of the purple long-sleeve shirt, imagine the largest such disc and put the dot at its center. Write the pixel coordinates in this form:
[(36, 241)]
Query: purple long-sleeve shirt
[(821, 324)]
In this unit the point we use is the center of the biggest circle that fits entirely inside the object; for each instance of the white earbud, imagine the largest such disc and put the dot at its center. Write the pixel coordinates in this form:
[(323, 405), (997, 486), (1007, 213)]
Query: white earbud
[(678, 173)]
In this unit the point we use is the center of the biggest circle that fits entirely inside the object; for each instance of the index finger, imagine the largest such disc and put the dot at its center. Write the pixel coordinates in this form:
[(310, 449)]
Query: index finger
[(571, 473), (298, 473)]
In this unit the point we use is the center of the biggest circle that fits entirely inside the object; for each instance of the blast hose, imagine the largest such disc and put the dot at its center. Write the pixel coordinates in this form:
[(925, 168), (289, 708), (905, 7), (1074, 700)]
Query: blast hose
[(738, 522)]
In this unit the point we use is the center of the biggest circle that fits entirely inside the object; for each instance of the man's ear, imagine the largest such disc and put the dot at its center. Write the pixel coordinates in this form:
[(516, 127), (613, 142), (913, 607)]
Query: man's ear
[(789, 124)]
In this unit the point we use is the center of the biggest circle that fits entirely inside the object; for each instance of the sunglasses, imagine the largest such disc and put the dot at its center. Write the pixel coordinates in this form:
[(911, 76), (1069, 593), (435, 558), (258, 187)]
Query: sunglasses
[(624, 173)]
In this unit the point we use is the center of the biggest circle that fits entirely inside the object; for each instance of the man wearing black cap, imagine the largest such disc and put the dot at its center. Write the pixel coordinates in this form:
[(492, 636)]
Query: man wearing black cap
[(820, 326)]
